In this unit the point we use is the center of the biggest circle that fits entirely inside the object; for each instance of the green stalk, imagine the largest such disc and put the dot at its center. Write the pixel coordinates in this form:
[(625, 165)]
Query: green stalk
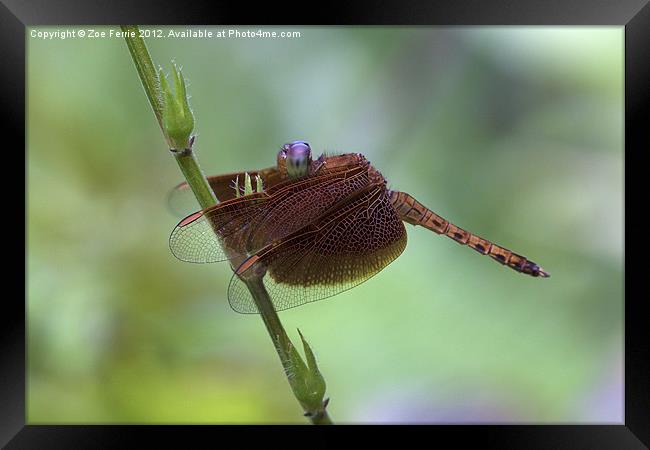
[(192, 172), (299, 374), (176, 122), (146, 71)]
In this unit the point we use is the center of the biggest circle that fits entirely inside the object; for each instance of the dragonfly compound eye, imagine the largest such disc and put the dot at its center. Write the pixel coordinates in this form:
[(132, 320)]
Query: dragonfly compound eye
[(298, 158)]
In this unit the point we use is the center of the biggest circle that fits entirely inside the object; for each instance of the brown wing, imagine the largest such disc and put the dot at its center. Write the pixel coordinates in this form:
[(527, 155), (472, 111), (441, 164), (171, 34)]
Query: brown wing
[(344, 249), (244, 225), (215, 234), (181, 201), (295, 205)]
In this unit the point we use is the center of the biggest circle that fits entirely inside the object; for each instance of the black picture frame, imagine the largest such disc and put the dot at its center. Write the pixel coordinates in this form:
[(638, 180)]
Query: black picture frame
[(634, 15)]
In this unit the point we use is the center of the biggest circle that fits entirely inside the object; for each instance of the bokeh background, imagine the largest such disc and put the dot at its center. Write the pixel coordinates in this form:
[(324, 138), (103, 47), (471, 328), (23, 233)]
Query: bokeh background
[(513, 133)]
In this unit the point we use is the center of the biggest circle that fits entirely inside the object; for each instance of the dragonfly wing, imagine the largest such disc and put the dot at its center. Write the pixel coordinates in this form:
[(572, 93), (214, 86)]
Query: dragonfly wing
[(216, 233), (298, 204), (241, 226), (342, 250), (181, 200)]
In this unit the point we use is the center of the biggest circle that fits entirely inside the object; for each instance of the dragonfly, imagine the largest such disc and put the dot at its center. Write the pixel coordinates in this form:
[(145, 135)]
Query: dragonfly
[(312, 228)]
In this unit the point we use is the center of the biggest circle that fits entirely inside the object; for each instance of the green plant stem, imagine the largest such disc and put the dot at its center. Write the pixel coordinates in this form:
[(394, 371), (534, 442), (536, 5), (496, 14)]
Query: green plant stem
[(200, 187), (146, 70), (280, 338), (321, 418), (269, 315), (195, 179)]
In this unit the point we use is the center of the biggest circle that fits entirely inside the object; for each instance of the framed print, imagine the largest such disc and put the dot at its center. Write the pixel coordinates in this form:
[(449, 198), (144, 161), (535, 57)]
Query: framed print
[(406, 215)]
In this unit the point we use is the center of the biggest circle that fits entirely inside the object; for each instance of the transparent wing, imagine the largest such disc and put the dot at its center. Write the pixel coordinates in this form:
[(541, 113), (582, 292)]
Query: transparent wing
[(212, 234), (246, 224), (181, 200), (343, 250)]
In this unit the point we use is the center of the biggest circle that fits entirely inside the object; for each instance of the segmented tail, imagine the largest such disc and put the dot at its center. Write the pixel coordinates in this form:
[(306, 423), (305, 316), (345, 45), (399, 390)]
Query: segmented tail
[(414, 212)]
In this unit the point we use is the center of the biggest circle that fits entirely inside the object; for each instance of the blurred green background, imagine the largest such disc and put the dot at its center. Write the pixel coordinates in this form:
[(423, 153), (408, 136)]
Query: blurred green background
[(515, 134)]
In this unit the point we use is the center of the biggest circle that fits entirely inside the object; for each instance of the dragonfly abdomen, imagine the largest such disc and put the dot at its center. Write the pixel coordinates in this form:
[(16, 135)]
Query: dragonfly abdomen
[(415, 213)]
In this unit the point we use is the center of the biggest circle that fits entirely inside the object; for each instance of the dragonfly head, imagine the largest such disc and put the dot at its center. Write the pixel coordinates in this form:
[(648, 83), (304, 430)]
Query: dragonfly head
[(296, 158)]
